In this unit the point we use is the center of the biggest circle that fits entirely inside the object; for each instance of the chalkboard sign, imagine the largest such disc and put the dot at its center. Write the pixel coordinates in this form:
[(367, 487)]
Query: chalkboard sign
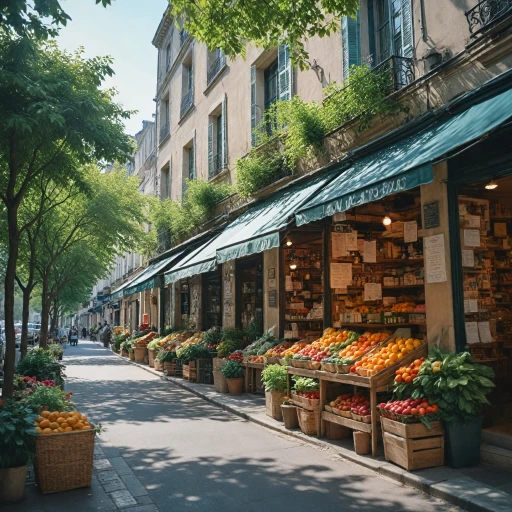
[(431, 215), (272, 299)]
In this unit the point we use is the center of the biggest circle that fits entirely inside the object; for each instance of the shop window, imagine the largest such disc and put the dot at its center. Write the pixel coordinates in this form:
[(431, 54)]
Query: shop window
[(249, 283), (212, 299)]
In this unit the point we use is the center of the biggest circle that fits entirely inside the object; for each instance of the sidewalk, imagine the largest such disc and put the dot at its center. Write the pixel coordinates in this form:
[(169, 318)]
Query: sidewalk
[(483, 488)]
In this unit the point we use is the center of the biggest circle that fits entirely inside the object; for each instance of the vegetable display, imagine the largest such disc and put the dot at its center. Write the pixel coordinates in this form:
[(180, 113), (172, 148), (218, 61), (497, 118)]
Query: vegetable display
[(232, 370), (192, 352), (261, 345), (305, 384), (275, 377)]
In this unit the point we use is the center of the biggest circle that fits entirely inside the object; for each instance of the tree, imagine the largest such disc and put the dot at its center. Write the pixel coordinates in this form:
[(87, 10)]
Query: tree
[(55, 118), (230, 25), (80, 237), (28, 18)]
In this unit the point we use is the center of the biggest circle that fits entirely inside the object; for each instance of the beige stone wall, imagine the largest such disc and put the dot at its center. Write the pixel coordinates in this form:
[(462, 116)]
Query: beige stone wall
[(271, 316)]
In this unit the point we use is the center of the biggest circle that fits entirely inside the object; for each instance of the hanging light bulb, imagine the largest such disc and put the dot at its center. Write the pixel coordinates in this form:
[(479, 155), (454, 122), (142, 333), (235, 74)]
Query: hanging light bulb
[(289, 242), (491, 185), (387, 220), (293, 266)]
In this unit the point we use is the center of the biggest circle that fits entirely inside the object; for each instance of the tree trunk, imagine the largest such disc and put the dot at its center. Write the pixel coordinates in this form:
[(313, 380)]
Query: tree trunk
[(10, 273), (45, 313), (54, 317), (24, 321)]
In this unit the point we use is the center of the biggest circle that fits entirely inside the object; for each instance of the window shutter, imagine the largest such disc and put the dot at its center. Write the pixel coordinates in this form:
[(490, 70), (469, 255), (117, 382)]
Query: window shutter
[(193, 159), (407, 31), (284, 70), (253, 104), (350, 44), (224, 141), (210, 150)]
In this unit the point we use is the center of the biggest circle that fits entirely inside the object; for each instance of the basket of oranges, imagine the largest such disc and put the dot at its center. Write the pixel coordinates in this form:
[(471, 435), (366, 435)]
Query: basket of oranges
[(64, 451)]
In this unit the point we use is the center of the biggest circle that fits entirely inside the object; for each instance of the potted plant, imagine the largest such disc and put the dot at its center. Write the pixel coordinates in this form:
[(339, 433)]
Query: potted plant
[(48, 398), (153, 346), (17, 448), (275, 379), (40, 363), (458, 385), (234, 374), (188, 356), (165, 358), (56, 351), (289, 412)]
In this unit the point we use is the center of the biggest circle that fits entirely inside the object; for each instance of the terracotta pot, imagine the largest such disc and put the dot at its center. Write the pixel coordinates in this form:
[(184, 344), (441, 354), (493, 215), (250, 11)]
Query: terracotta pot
[(235, 386), (290, 418), (12, 484)]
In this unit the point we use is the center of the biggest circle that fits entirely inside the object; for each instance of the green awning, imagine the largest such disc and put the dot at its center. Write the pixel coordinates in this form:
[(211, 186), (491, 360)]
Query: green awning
[(257, 230), (408, 163), (148, 278)]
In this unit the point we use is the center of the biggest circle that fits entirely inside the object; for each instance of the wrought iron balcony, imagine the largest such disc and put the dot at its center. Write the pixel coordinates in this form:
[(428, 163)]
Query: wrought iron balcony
[(183, 36), (215, 165), (164, 131), (486, 12), (400, 69), (215, 68), (186, 102)]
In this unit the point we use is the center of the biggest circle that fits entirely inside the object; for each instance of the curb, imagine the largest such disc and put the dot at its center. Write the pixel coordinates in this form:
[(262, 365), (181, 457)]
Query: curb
[(383, 468)]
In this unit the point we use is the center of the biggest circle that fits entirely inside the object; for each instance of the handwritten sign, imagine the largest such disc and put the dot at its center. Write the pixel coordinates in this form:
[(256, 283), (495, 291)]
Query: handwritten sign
[(370, 251), (410, 232), (468, 258), (341, 275), (472, 237), (339, 245), (431, 215), (472, 332), (372, 291), (484, 332), (435, 259)]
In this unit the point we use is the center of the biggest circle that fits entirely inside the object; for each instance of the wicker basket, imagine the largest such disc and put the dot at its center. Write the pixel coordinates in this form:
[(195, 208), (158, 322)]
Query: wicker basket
[(218, 362), (151, 357), (64, 461), (307, 421), (220, 383), (158, 365)]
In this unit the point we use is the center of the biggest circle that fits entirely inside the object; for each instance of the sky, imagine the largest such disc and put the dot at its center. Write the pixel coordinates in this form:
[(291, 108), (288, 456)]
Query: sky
[(124, 31)]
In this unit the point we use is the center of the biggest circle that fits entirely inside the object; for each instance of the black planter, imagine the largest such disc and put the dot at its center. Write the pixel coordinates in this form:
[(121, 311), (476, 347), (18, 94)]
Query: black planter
[(462, 447)]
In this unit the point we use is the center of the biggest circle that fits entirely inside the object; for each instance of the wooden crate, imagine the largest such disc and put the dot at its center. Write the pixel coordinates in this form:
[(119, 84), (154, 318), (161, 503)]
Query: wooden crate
[(413, 446), (190, 372), (273, 401)]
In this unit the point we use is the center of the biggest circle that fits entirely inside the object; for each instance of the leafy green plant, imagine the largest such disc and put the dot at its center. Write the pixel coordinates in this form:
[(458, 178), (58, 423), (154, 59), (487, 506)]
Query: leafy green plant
[(275, 377), (41, 364), (53, 398), (305, 384), (117, 340), (456, 383), (232, 370), (154, 343), (235, 336), (211, 337), (166, 356), (17, 434), (193, 352), (225, 348), (55, 350)]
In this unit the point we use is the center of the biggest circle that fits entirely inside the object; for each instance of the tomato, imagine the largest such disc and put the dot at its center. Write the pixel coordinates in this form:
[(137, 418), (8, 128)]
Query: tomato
[(422, 411), (407, 410), (414, 410), (430, 410), (400, 410), (435, 408)]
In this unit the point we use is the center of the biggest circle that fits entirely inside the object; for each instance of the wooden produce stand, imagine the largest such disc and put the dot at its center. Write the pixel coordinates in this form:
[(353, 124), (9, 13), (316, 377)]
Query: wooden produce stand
[(252, 375), (375, 384)]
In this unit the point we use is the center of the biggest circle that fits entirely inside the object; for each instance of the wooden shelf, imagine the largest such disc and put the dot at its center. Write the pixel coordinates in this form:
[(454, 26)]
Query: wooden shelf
[(388, 287), (347, 422), (379, 326), (305, 320), (504, 268)]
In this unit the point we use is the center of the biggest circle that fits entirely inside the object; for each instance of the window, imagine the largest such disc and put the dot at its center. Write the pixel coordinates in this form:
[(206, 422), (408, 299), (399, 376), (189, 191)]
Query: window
[(271, 85), (189, 164), (187, 85), (168, 57), (350, 42), (215, 63), (165, 191), (164, 119), (217, 140), (393, 29)]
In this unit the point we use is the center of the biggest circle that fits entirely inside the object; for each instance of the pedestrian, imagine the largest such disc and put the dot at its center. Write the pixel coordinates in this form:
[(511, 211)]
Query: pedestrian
[(74, 336), (106, 335), (84, 333)]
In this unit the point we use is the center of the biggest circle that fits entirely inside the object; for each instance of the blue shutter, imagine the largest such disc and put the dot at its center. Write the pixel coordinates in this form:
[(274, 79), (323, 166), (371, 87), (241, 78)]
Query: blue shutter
[(284, 70), (350, 44), (253, 104), (210, 150), (407, 30), (224, 141)]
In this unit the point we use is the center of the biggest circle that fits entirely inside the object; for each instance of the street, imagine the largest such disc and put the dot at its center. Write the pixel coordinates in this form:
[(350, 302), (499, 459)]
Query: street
[(191, 455)]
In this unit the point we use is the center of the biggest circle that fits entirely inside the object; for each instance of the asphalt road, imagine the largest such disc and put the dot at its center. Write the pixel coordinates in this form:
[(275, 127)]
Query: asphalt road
[(193, 456)]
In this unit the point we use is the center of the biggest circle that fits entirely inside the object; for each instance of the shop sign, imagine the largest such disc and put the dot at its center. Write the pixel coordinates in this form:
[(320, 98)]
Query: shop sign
[(272, 299), (431, 215)]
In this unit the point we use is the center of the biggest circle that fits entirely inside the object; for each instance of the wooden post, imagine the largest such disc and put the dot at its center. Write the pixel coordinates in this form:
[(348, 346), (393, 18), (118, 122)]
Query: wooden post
[(373, 409), (323, 399)]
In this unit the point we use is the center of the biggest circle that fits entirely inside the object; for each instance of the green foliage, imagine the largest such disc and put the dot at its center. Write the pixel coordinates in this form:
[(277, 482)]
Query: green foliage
[(234, 336), (153, 343), (117, 341), (232, 370), (226, 347), (233, 25), (298, 128), (17, 434), (53, 398), (275, 377), (305, 384), (259, 168), (55, 350), (458, 384), (166, 355), (181, 218), (41, 364), (211, 336), (193, 352)]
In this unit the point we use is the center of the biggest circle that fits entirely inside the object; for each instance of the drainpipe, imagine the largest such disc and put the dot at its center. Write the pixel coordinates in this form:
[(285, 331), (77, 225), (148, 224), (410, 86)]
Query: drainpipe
[(422, 21)]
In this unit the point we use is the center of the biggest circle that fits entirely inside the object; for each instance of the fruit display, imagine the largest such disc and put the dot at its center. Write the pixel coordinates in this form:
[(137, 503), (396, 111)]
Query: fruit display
[(261, 345), (294, 349), (408, 411), (385, 356), (408, 373), (144, 340), (360, 408), (311, 395), (326, 346), (237, 356), (342, 404), (195, 339), (279, 350), (256, 359), (362, 345), (61, 422), (403, 307)]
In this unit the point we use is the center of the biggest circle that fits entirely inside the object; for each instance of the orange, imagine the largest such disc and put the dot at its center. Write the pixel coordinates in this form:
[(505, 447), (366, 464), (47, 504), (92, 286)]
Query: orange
[(72, 421), (39, 430), (55, 430), (64, 425), (45, 414), (47, 431), (78, 426), (44, 424), (53, 416), (60, 420), (54, 425), (68, 429)]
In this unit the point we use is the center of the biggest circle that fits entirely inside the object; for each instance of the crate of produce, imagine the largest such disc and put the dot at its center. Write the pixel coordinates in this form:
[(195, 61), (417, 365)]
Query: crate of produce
[(204, 371), (64, 461), (412, 445)]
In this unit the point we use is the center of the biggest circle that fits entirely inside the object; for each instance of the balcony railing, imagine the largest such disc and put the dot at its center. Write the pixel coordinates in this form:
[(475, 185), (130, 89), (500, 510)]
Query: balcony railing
[(183, 36), (164, 131), (401, 71), (486, 12), (186, 102), (215, 68), (216, 165)]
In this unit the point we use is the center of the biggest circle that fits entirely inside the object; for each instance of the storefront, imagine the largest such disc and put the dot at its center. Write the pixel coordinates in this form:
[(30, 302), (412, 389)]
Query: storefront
[(212, 299), (480, 192), (249, 292)]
